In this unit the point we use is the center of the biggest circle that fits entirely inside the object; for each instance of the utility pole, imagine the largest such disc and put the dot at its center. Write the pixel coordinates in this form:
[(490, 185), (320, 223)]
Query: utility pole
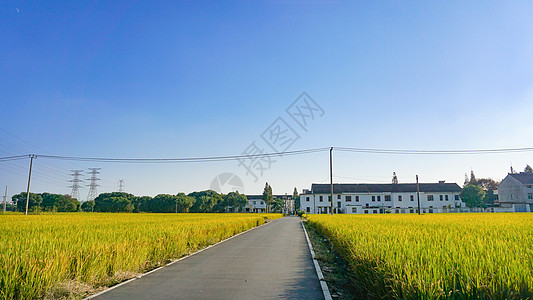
[(92, 186), (75, 193), (331, 176), (418, 193), (32, 156), (5, 199), (121, 185)]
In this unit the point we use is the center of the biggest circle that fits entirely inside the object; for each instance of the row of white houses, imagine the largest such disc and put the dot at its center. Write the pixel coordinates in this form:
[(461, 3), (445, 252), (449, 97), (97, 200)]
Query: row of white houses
[(367, 198), (515, 194), (257, 205)]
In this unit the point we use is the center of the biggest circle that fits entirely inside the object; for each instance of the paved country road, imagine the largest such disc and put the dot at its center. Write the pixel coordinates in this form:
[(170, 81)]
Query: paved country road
[(269, 262)]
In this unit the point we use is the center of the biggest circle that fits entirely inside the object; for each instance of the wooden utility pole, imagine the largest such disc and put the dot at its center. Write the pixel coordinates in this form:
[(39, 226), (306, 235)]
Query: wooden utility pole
[(32, 156), (5, 199), (331, 176), (418, 193)]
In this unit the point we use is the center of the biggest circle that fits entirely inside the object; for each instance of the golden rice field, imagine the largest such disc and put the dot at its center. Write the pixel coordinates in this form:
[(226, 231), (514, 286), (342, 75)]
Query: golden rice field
[(435, 256), (72, 254)]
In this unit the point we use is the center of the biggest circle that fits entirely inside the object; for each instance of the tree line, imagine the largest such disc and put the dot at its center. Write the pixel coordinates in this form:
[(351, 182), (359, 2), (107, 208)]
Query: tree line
[(207, 201)]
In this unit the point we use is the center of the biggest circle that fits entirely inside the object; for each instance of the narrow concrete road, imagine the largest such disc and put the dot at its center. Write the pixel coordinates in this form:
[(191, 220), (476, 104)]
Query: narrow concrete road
[(269, 262)]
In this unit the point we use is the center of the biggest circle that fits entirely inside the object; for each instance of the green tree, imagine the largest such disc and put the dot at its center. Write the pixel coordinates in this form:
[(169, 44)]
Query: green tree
[(267, 196), (87, 206), (141, 204), (207, 201), (296, 198), (20, 201), (114, 202), (67, 204), (472, 178), (236, 201), (528, 169), (183, 203), (277, 205), (472, 196)]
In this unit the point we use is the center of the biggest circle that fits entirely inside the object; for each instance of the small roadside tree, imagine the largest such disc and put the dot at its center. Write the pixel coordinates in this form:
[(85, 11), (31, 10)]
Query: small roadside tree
[(473, 195), (267, 196)]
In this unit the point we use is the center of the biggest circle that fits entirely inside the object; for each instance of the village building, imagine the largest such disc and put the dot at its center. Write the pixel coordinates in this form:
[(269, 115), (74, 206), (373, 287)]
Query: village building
[(367, 198), (515, 192)]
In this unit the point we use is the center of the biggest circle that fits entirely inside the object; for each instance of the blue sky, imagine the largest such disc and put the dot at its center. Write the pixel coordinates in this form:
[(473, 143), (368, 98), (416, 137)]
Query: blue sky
[(189, 79)]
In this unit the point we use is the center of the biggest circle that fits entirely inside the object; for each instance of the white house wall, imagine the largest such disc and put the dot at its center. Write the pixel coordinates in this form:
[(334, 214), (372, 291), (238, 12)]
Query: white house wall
[(312, 203)]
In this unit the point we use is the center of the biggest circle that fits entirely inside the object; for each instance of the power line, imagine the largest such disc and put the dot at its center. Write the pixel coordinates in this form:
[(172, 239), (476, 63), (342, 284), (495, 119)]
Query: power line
[(434, 152), (16, 157), (260, 155), (182, 160)]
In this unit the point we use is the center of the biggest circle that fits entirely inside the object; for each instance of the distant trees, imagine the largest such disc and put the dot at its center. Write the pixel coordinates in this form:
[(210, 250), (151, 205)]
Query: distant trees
[(46, 202), (487, 185), (207, 201), (528, 169)]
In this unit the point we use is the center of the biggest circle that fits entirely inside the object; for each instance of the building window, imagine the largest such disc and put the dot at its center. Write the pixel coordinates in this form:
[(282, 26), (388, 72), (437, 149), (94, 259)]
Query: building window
[(367, 205), (529, 186), (348, 198), (354, 209), (338, 196), (446, 197), (412, 198), (456, 197), (307, 199), (379, 198), (329, 198), (530, 195), (373, 198), (356, 198), (387, 197), (441, 197), (254, 202), (400, 198), (308, 209), (366, 211), (430, 197), (375, 211), (321, 199)]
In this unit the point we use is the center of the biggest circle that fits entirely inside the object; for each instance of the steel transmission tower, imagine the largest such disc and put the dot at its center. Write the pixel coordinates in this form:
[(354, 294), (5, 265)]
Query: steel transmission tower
[(121, 185), (75, 193), (92, 186)]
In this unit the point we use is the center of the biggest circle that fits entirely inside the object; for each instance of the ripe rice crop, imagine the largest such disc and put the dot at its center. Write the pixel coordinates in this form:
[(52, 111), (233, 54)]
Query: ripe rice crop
[(435, 256), (72, 254)]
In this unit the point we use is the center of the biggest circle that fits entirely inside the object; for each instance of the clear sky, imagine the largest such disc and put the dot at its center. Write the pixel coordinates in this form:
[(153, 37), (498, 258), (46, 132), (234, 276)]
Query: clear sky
[(158, 79)]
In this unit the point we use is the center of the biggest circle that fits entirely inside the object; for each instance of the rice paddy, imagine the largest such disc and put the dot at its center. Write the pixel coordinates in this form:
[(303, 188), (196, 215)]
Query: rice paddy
[(75, 254), (435, 256)]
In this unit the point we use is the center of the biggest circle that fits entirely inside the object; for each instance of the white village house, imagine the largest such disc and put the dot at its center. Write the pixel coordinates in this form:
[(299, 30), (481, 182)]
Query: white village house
[(516, 192), (367, 198), (257, 205)]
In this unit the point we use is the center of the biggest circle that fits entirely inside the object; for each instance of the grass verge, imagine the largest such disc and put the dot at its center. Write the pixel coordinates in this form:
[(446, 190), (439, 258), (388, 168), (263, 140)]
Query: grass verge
[(341, 280)]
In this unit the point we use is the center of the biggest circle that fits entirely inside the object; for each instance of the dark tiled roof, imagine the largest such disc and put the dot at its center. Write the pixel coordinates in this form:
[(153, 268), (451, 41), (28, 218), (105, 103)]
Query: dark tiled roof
[(524, 178), (380, 188)]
